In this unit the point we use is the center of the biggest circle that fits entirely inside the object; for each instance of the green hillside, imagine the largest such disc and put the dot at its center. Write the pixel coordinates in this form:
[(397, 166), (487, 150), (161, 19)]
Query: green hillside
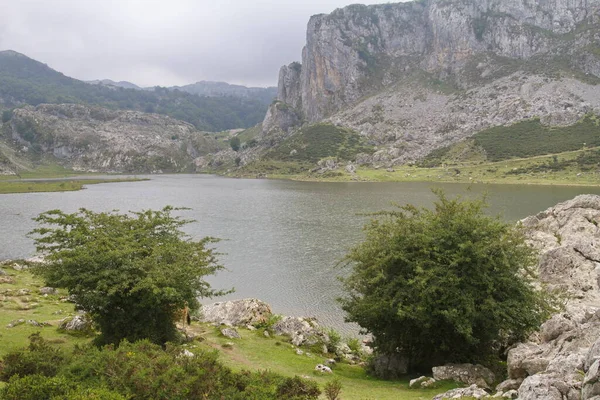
[(26, 81)]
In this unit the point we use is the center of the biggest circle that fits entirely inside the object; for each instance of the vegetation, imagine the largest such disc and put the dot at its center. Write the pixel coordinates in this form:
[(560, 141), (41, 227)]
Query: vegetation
[(234, 142), (54, 186), (26, 81), (131, 273), (443, 285), (141, 371), (319, 141)]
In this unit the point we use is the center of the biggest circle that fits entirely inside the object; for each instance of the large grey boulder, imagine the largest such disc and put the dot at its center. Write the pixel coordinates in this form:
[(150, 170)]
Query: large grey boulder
[(465, 373), (77, 323), (237, 312), (548, 387), (302, 331)]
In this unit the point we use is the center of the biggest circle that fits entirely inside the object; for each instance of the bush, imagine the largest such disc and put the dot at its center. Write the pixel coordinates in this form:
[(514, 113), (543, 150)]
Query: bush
[(297, 388), (132, 273), (443, 285), (234, 142), (38, 359), (333, 389), (36, 387)]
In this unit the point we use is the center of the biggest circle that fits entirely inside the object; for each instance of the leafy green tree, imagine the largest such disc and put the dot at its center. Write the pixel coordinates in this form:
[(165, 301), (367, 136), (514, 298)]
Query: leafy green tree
[(444, 285), (6, 115), (132, 273), (234, 142)]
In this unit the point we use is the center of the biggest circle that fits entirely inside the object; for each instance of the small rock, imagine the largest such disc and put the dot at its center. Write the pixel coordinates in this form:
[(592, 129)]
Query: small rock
[(472, 391), (2, 272), (230, 333), (417, 382), (266, 334), (16, 322), (23, 292), (47, 290), (33, 322), (187, 353), (250, 327), (6, 279), (511, 394), (299, 352), (510, 384), (78, 323), (330, 361), (323, 368)]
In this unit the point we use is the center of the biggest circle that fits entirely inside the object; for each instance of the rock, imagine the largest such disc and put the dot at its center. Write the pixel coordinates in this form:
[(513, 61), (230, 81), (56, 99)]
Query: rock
[(299, 352), (78, 323), (230, 333), (16, 322), (508, 385), (6, 279), (302, 331), (323, 368), (472, 392), (547, 387), (389, 366), (592, 355), (342, 349), (591, 382), (3, 272), (266, 334), (556, 326), (187, 353), (465, 373), (511, 394), (23, 292), (48, 290), (250, 327), (237, 312), (33, 322), (351, 169), (330, 361), (421, 382)]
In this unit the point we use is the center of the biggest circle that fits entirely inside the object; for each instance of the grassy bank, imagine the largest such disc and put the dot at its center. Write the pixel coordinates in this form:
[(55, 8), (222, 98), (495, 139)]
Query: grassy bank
[(252, 352), (28, 186)]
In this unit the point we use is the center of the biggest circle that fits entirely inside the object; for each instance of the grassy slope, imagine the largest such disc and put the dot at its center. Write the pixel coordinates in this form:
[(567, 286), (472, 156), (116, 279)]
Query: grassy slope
[(253, 351)]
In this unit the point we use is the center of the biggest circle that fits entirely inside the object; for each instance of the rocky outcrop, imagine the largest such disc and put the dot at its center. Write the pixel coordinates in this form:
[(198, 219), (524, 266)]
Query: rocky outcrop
[(468, 374), (419, 75), (96, 139), (236, 312), (471, 392), (568, 238), (302, 331)]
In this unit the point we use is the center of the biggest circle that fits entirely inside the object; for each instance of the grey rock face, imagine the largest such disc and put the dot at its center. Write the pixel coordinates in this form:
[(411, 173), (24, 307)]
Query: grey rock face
[(100, 140), (370, 68), (237, 312), (592, 355), (279, 118), (389, 366), (591, 382), (465, 373), (567, 236)]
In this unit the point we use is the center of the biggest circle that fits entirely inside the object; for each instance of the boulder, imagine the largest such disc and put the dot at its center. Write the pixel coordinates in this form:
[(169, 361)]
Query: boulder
[(78, 323), (471, 392), (421, 382), (2, 272), (547, 387), (302, 331), (16, 322), (323, 368), (230, 333), (47, 290), (465, 373), (237, 312), (6, 279), (389, 366), (508, 385), (591, 382)]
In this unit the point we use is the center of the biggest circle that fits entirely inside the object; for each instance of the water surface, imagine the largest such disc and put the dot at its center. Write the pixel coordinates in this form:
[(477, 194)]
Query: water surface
[(282, 239)]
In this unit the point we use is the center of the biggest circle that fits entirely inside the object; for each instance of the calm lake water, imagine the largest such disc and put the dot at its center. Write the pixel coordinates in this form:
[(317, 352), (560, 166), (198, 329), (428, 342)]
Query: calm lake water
[(282, 239)]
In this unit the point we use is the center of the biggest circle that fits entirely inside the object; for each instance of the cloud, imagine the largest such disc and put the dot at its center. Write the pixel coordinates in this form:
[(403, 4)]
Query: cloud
[(167, 42)]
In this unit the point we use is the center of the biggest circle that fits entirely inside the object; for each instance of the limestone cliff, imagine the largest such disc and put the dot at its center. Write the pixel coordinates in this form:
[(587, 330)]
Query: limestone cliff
[(96, 139), (418, 75)]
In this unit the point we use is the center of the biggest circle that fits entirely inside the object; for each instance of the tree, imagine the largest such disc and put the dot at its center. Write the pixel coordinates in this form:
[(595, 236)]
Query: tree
[(444, 285), (133, 273), (234, 142)]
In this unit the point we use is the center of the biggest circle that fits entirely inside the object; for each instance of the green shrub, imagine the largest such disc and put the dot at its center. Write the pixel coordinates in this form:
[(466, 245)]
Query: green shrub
[(297, 388), (333, 389), (39, 358), (36, 387)]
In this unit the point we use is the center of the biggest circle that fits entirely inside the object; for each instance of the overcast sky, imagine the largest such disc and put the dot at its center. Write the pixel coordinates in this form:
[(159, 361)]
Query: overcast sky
[(162, 42)]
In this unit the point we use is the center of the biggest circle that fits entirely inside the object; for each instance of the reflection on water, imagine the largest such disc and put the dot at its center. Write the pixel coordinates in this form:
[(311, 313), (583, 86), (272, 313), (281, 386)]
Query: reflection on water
[(281, 239)]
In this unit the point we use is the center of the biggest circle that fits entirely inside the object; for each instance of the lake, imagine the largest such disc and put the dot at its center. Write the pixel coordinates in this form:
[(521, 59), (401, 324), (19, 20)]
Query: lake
[(281, 239)]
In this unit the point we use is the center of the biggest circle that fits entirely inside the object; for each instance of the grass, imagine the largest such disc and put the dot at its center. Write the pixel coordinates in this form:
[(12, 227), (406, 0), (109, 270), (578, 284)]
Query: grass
[(34, 306), (54, 186), (253, 352)]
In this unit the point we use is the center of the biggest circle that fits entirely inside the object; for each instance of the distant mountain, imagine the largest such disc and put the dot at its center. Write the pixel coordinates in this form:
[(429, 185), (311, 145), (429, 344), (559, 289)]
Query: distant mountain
[(216, 89), (27, 81), (110, 83)]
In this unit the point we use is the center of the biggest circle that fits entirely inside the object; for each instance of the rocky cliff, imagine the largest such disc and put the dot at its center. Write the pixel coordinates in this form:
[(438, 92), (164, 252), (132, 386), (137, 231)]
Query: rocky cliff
[(418, 75), (96, 139)]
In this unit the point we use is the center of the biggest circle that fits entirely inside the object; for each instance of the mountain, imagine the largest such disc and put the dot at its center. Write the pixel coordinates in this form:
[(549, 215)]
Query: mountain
[(26, 81), (120, 84), (96, 139), (419, 76), (219, 89)]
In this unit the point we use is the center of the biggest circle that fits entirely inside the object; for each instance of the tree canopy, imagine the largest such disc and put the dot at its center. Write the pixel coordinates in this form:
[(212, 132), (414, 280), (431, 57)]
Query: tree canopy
[(132, 273), (444, 285)]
